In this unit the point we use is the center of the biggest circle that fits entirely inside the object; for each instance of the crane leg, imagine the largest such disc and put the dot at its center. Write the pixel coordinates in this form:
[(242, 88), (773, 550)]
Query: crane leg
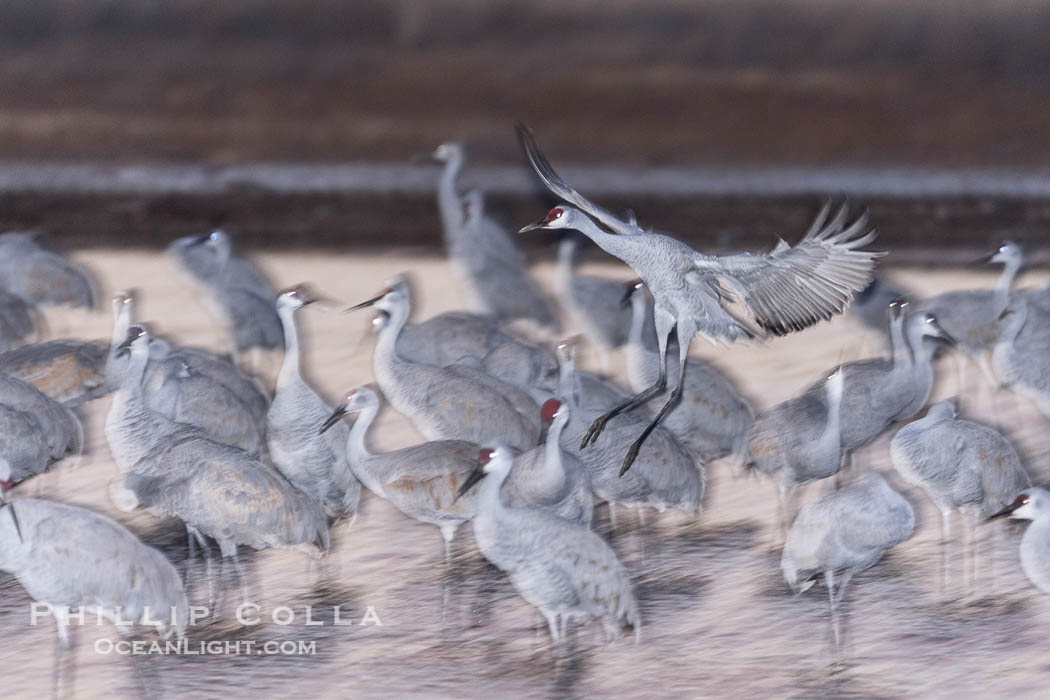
[(829, 581), (946, 533), (62, 683), (209, 573), (665, 323), (672, 401)]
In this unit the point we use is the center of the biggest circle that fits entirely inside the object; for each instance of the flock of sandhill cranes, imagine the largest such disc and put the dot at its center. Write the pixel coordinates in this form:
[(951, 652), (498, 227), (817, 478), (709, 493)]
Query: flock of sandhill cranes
[(197, 439)]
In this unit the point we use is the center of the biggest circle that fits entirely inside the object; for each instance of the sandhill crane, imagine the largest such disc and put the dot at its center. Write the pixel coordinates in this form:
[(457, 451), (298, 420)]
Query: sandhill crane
[(1033, 504), (241, 292), (16, 321), (594, 305), (712, 418), (75, 561), (799, 441), (71, 372), (971, 316), (421, 481), (1021, 361), (41, 276), (550, 478), (483, 252), (219, 491), (665, 474), (61, 428), (191, 387), (443, 339), (872, 305), (24, 449), (785, 290), (315, 463), (961, 465), (531, 368), (457, 402), (563, 569), (843, 533)]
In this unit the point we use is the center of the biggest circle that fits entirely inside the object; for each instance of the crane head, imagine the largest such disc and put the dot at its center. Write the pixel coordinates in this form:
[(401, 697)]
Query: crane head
[(136, 334), (550, 410), (933, 329), (1008, 252), (1022, 507), (558, 217)]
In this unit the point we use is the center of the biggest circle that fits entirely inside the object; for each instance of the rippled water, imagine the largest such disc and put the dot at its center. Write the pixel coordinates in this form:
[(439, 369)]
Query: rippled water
[(717, 616)]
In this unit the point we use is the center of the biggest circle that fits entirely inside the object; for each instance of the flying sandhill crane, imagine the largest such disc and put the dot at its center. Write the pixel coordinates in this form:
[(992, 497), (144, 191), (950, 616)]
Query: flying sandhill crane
[(41, 276), (712, 417), (458, 402), (563, 569), (785, 290), (421, 481), (236, 287), (843, 533), (192, 386), (1033, 504), (71, 372), (961, 465), (75, 561), (483, 252), (315, 463), (173, 469)]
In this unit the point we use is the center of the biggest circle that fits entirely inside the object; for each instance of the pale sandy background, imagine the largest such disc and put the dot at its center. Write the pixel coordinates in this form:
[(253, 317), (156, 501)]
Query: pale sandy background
[(718, 618)]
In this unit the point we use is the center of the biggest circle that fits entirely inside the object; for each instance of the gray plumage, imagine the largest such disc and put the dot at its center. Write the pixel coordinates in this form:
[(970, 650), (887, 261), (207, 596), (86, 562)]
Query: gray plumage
[(843, 533), (41, 276), (315, 463), (71, 372), (1021, 356), (872, 304), (242, 293), (483, 252), (16, 321), (57, 560), (457, 402), (1034, 504), (549, 477), (219, 491), (24, 450), (595, 304), (960, 464), (785, 290), (443, 339), (971, 316), (192, 386), (422, 480), (665, 475), (712, 418), (61, 428), (565, 570)]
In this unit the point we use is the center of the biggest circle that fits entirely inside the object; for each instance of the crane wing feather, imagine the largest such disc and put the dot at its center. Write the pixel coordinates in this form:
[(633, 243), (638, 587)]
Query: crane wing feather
[(794, 287)]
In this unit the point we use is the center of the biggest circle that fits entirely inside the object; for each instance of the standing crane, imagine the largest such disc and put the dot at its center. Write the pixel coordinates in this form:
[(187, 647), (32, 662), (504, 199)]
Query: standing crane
[(563, 569), (785, 290), (77, 561)]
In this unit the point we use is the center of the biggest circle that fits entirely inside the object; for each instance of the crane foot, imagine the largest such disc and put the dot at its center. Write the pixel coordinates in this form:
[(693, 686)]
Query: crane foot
[(632, 453), (594, 431)]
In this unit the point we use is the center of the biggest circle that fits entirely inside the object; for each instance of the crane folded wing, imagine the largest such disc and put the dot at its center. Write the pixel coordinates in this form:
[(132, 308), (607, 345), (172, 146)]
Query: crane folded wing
[(794, 287)]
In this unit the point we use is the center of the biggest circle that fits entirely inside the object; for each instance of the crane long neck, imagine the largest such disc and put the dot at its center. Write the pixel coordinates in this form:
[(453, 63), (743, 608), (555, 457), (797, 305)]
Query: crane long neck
[(121, 324), (902, 355), (387, 363), (448, 198), (830, 438), (290, 369), (553, 472), (611, 243), (489, 501), (357, 442), (1005, 283), (133, 429)]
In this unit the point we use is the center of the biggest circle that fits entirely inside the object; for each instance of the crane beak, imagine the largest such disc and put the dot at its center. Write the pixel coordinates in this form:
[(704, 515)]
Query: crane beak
[(1004, 512), (474, 477), (337, 414), (11, 508), (537, 224), (985, 259), (364, 304), (426, 158)]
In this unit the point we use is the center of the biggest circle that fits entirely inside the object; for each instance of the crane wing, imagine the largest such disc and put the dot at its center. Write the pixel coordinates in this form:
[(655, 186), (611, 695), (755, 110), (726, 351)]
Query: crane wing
[(559, 187), (794, 287)]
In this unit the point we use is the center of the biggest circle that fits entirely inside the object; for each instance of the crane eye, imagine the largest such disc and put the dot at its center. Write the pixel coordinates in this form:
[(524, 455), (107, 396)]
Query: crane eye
[(1021, 501), (486, 455), (555, 213)]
